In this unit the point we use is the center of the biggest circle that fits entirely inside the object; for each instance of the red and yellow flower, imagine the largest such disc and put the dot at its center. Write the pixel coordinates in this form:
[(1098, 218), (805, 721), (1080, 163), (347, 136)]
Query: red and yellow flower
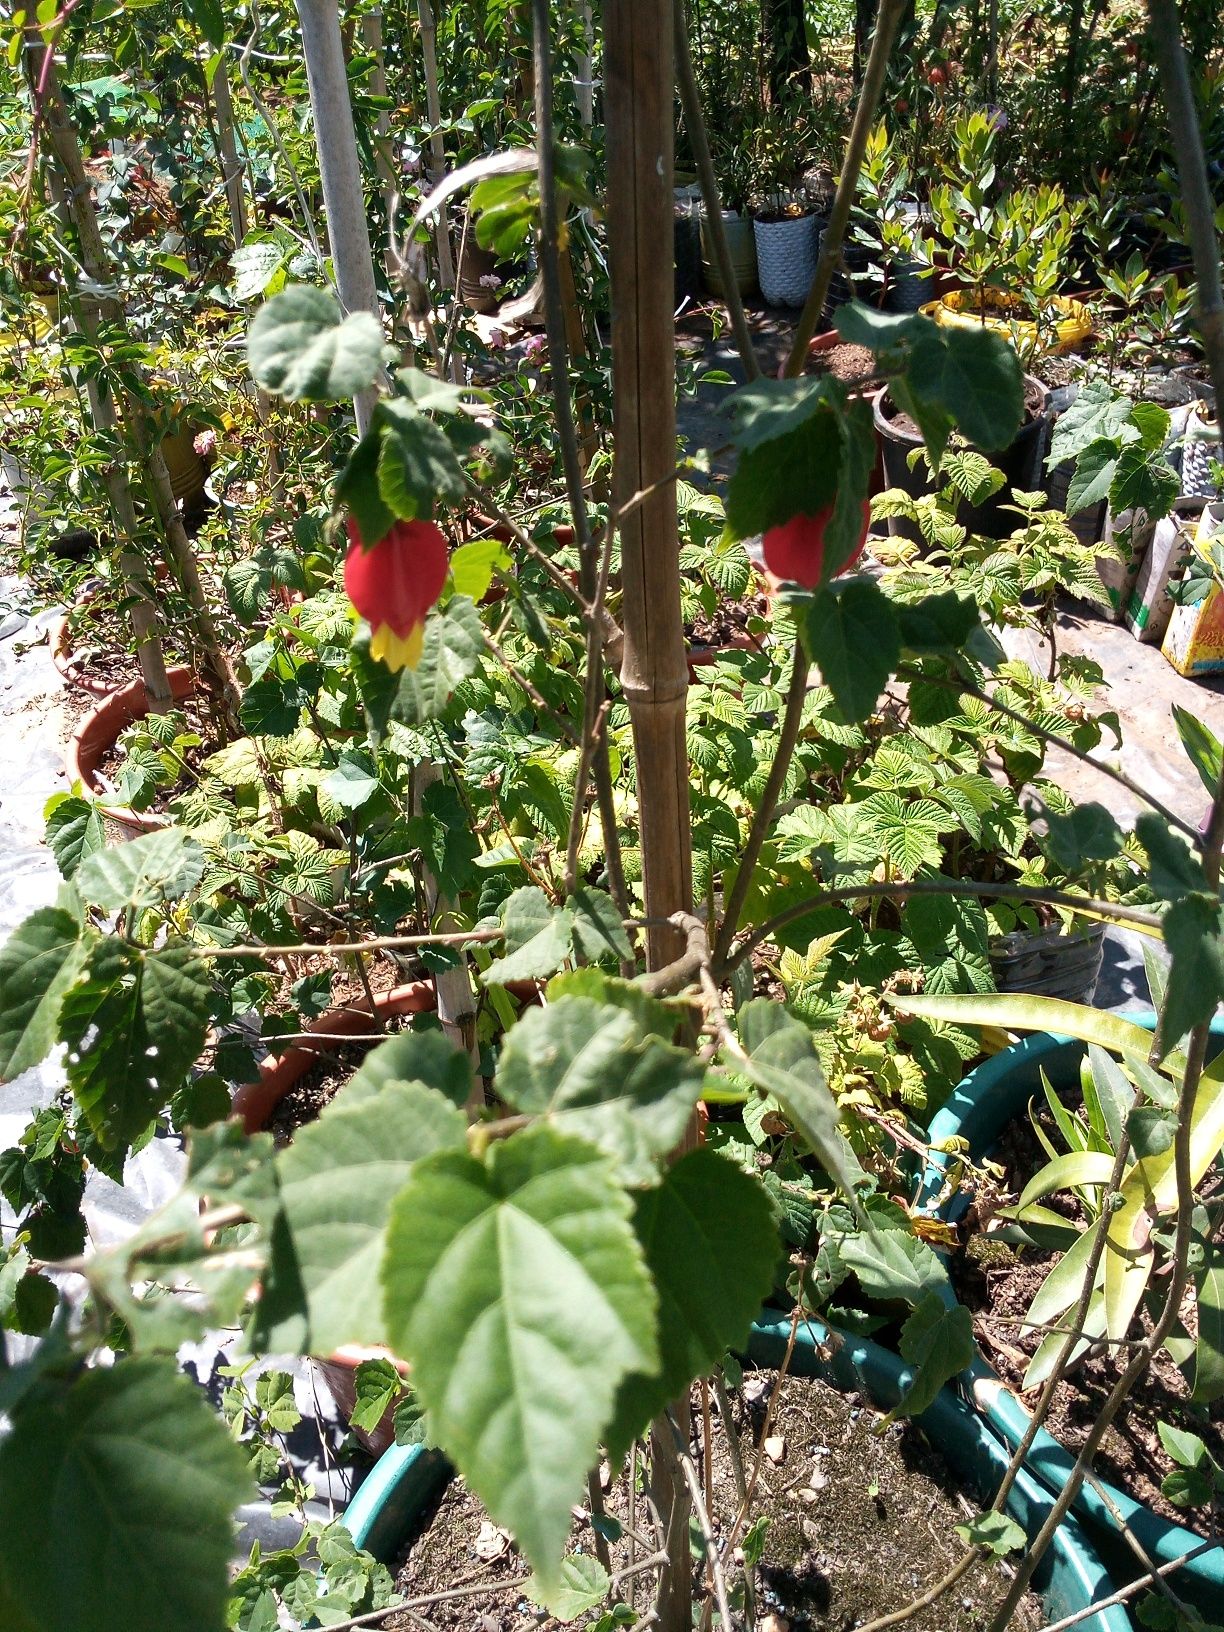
[(393, 584)]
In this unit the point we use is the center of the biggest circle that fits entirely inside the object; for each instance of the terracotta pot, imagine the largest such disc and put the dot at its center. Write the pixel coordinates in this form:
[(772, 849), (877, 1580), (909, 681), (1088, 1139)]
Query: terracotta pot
[(59, 638), (255, 1101), (98, 733), (339, 1372)]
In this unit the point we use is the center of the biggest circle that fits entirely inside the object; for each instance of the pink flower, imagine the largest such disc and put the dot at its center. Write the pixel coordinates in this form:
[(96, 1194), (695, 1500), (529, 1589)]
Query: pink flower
[(205, 444), (490, 280), (535, 348), (498, 339)]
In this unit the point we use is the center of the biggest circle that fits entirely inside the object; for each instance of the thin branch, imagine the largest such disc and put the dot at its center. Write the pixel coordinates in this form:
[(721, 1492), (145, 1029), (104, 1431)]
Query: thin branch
[(713, 1560), (887, 19), (1129, 1591), (1111, 911), (762, 817)]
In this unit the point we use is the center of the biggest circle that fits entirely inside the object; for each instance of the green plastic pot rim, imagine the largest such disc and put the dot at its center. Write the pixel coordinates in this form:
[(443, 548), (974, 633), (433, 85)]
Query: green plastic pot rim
[(982, 1100), (396, 1493)]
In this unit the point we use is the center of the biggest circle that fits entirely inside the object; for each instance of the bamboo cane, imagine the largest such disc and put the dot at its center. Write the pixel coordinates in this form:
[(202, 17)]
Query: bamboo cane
[(437, 155)]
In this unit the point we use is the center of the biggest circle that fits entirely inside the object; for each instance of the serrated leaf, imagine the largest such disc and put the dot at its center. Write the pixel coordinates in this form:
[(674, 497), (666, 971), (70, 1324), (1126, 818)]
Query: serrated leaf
[(538, 940), (598, 931), (712, 1246), (301, 347), (938, 1342), (586, 1068), (338, 1180), (246, 584), (487, 1264), (1095, 470), (353, 782), (454, 640), (891, 1264), (473, 566), (996, 1531), (134, 1023), (583, 1586), (38, 963), (255, 265), (377, 1385), (426, 1057), (850, 632), (146, 872), (155, 1551), (74, 831), (418, 467)]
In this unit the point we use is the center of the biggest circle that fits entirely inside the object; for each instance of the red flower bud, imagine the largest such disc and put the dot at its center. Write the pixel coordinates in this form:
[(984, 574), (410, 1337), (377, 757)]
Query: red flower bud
[(795, 551), (393, 584)]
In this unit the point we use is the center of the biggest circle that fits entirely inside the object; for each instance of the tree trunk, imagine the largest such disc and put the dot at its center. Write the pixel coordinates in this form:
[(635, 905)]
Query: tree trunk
[(343, 198), (638, 100)]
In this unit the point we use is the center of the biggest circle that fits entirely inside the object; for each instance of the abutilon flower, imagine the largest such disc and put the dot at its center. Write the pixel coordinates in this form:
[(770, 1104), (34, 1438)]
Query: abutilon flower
[(393, 584)]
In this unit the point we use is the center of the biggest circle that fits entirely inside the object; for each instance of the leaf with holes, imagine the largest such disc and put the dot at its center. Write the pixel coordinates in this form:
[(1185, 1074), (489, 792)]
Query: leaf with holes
[(147, 872), (517, 1289)]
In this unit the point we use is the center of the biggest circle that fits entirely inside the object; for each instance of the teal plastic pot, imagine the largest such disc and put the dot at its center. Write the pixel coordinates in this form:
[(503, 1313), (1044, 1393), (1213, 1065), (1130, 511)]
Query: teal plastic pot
[(987, 1100), (396, 1496)]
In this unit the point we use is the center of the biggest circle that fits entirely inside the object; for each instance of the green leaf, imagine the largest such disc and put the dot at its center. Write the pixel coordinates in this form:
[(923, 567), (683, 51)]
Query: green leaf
[(1087, 833), (850, 631), (1095, 470), (354, 782), (338, 1180), (588, 1069), (1204, 748), (255, 265), (1174, 869), (119, 1489), (74, 830), (38, 963), (426, 1057), (1209, 1350), (892, 1264), (973, 375), (938, 1342), (996, 1531), (938, 623), (782, 1059), (377, 1385), (598, 931), (1187, 1487), (1143, 480), (134, 1024), (712, 1247), (473, 566), (1194, 934), (791, 442), (454, 640), (146, 872), (1021, 1011), (539, 938), (418, 467), (246, 583), (583, 1586), (300, 347), (1096, 413), (1182, 1447), (516, 1288), (1071, 1171)]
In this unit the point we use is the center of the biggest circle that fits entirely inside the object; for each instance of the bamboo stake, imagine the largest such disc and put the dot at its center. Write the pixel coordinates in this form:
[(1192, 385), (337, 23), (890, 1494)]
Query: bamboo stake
[(372, 36), (437, 154), (343, 198), (231, 165), (638, 92)]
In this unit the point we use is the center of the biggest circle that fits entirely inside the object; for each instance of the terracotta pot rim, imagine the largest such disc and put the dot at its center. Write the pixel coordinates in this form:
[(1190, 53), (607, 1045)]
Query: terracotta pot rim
[(60, 642), (99, 731)]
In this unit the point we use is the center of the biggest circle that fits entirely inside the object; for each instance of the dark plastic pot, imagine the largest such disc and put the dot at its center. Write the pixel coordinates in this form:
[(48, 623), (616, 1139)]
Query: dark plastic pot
[(1020, 462), (979, 1111), (395, 1498), (1049, 962)]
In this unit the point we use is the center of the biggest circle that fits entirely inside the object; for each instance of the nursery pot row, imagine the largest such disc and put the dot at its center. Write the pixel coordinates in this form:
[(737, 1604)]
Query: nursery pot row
[(989, 1098)]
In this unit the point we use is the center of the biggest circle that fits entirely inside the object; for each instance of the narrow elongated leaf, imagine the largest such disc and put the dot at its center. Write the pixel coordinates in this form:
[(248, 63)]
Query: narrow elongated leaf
[(517, 1289), (1204, 748), (38, 963), (782, 1059), (1209, 1350), (712, 1246), (1019, 1011), (118, 1492), (338, 1180), (1149, 1189), (1076, 1167)]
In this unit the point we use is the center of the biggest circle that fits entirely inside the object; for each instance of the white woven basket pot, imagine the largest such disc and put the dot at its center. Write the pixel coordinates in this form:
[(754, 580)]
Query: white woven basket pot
[(786, 259), (1202, 447)]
